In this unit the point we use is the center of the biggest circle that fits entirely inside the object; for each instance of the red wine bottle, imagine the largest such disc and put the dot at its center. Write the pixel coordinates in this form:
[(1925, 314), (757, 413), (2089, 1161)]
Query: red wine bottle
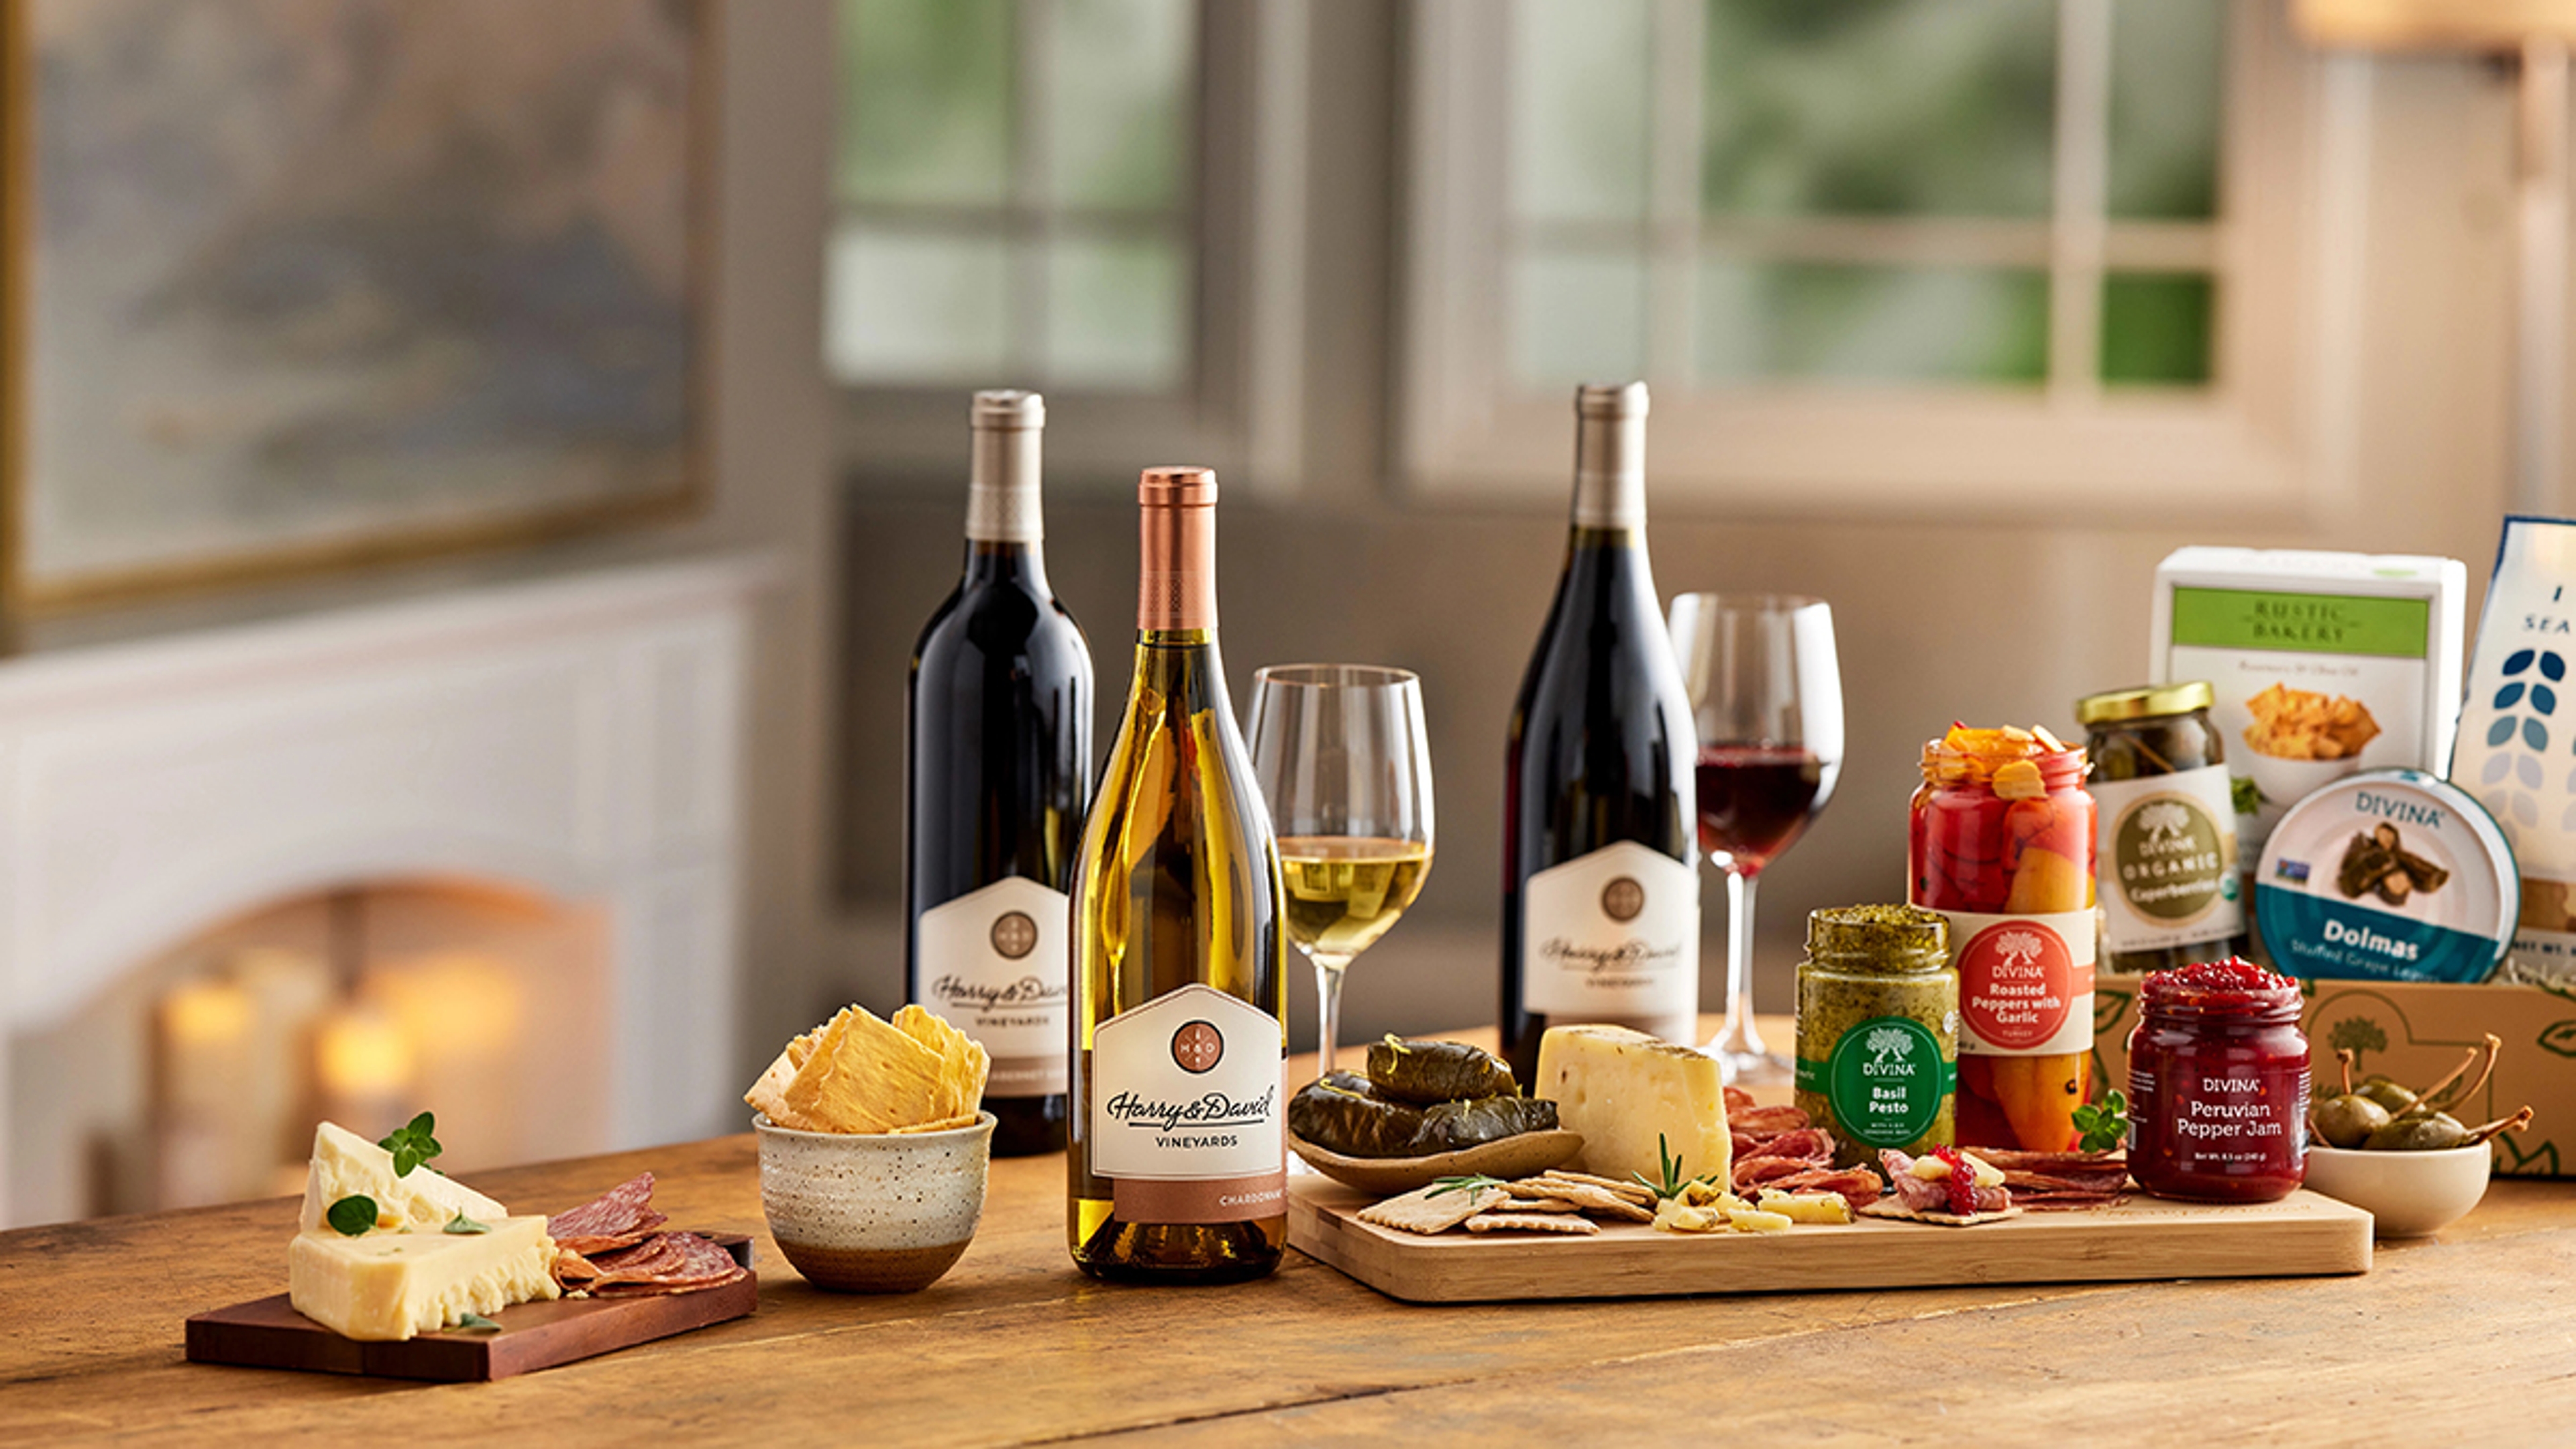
[(998, 773), (1600, 863)]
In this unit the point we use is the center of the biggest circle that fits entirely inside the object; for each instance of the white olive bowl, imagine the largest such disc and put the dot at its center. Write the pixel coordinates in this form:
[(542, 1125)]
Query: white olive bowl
[(2408, 1194)]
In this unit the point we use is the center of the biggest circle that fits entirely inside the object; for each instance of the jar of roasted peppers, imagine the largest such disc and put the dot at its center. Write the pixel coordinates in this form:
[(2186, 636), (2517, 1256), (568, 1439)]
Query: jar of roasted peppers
[(2170, 890), (2218, 1085), (1878, 1030), (2001, 843)]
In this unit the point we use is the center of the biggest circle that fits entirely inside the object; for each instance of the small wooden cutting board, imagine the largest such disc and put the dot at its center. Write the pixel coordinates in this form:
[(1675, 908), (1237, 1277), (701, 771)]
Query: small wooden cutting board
[(269, 1333), (2144, 1238)]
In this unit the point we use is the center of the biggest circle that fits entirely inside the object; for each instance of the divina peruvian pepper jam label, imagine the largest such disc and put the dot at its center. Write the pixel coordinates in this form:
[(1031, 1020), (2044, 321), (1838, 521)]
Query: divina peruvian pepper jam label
[(2025, 983), (1185, 1110)]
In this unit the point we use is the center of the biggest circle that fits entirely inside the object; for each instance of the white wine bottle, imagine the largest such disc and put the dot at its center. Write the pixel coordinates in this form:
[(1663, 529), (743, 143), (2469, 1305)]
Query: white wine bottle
[(1177, 1167), (1600, 865), (997, 770)]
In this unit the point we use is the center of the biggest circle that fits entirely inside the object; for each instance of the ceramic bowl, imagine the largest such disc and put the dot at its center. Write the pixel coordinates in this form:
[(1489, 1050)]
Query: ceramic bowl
[(870, 1212), (2285, 783), (2408, 1194), (1523, 1155)]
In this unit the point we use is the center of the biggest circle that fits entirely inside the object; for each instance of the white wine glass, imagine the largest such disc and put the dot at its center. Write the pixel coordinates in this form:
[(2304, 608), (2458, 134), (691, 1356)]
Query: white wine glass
[(1341, 757), (1766, 696)]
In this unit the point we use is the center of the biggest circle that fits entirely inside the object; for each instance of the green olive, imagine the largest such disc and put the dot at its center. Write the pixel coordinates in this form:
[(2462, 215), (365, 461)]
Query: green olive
[(2386, 1093), (2419, 1132), (2348, 1120)]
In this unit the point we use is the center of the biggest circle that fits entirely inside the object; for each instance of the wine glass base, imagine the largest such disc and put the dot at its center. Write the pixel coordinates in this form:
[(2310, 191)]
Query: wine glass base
[(1750, 1069)]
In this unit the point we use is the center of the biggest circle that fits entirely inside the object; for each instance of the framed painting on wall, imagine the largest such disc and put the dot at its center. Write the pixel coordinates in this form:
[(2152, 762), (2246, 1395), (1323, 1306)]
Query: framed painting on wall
[(293, 285)]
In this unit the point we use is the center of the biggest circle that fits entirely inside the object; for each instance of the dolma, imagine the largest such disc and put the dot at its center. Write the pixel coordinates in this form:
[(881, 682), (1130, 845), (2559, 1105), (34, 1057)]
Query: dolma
[(1343, 1113), (1451, 1126), (1426, 1072)]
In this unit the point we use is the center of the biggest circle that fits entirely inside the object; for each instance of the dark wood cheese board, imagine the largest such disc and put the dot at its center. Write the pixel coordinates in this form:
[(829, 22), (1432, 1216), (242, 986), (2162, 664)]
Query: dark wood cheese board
[(268, 1333)]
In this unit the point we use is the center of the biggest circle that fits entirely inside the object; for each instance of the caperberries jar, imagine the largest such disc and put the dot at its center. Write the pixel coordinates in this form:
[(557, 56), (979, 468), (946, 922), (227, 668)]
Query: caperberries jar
[(2218, 1084)]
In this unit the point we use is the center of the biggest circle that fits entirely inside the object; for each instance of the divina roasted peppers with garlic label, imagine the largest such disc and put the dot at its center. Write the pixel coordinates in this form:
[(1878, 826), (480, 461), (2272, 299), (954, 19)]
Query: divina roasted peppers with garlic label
[(2001, 843)]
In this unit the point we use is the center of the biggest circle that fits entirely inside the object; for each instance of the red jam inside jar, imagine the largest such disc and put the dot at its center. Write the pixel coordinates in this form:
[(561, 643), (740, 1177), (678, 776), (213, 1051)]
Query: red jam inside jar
[(2218, 1085)]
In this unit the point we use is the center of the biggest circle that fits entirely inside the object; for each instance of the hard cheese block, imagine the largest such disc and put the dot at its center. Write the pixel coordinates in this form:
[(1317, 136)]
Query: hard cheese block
[(408, 1275), (348, 1165), (393, 1285), (1626, 1091)]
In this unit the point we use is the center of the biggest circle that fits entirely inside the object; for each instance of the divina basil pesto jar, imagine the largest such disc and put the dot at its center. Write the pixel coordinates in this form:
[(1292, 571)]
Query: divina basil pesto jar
[(2171, 887), (1878, 1029)]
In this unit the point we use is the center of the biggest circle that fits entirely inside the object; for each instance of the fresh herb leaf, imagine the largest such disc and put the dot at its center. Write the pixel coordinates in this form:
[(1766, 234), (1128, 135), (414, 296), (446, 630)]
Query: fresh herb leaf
[(476, 1323), (2105, 1124), (1473, 1183), (412, 1144), (2245, 795), (1674, 1183), (353, 1217), (463, 1224)]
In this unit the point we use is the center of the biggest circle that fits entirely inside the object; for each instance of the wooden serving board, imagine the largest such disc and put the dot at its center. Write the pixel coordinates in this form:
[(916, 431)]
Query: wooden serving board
[(2143, 1238), (268, 1333)]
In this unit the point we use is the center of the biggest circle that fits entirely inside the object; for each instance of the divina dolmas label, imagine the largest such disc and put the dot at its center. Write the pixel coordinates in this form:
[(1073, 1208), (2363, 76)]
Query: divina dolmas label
[(1185, 1117)]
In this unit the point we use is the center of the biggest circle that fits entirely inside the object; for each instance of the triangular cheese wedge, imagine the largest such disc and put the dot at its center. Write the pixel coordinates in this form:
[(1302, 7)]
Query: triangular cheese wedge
[(348, 1165)]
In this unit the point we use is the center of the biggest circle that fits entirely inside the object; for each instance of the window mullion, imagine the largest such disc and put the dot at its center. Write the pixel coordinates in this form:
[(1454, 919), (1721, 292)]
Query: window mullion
[(1679, 29), (2081, 190), (1032, 219)]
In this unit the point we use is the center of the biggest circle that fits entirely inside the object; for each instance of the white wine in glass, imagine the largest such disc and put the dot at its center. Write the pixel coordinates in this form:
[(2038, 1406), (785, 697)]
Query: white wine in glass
[(1341, 757)]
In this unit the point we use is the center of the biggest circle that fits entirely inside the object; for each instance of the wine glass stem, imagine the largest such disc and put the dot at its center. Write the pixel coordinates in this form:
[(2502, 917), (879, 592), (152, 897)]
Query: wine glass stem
[(1328, 1008), (1739, 1037)]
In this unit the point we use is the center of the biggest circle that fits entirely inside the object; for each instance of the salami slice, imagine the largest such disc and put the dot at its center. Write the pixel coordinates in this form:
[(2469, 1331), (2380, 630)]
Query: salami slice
[(1859, 1186), (1760, 1122), (1811, 1144), (674, 1263), (621, 1216)]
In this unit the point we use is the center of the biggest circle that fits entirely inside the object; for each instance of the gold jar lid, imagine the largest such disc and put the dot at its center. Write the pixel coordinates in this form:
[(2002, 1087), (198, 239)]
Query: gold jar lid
[(2147, 701)]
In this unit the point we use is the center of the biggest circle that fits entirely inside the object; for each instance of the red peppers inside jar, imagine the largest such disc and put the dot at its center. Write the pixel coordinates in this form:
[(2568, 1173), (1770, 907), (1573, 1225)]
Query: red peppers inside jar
[(2218, 1084)]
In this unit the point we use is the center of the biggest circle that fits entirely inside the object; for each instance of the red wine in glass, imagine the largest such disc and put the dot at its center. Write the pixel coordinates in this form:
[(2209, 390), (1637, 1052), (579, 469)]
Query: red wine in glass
[(1755, 800)]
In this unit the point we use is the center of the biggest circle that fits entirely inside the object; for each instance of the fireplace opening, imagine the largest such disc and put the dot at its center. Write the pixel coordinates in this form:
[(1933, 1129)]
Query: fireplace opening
[(196, 1076)]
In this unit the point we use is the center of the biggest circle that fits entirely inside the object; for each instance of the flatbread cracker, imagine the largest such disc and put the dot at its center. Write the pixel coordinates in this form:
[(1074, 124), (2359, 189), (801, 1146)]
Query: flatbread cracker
[(1635, 1191), (1567, 1224), (1586, 1197), (1539, 1205), (1419, 1211), (1888, 1207)]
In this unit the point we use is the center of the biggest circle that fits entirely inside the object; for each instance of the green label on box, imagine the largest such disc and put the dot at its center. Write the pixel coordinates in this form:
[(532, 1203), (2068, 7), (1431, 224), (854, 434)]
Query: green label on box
[(2303, 623)]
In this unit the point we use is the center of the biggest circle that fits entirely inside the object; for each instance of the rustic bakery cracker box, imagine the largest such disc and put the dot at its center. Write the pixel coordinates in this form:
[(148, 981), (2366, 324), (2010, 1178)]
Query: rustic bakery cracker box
[(2414, 1032), (2322, 664)]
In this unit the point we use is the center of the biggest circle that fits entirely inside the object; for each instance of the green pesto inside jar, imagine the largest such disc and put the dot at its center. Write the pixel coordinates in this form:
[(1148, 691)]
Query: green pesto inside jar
[(1878, 1029)]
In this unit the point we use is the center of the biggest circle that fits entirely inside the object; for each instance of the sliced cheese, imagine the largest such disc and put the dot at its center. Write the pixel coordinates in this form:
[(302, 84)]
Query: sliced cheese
[(348, 1165), (395, 1285), (1622, 1089)]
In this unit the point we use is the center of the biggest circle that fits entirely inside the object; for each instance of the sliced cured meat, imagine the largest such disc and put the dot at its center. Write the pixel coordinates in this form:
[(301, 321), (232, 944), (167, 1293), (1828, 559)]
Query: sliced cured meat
[(1761, 1171), (670, 1263), (1760, 1122), (2012, 1159), (1859, 1186), (1813, 1144), (621, 1216), (1932, 1195), (1737, 1100)]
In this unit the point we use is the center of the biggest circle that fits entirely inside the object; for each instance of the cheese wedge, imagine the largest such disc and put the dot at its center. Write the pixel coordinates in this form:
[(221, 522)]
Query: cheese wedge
[(396, 1285), (1623, 1090), (348, 1165)]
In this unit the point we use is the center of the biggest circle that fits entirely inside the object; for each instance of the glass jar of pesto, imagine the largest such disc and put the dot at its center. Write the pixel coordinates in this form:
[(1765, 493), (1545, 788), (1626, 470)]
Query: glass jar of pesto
[(2171, 889), (1878, 1029)]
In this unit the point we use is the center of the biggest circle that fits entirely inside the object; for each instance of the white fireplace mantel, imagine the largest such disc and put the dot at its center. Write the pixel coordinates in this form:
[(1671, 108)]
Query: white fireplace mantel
[(580, 735)]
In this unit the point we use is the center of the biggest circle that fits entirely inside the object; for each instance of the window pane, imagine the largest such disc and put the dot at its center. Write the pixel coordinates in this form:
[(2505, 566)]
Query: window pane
[(1880, 107), (925, 100), (1884, 324), (906, 306), (1115, 313), (1578, 318), (2156, 329), (1118, 83), (1579, 103), (2166, 77)]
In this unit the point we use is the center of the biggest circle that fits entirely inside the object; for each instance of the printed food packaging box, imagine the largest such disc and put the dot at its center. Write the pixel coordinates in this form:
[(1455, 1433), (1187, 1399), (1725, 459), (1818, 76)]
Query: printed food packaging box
[(2414, 1032), (2513, 743), (2323, 664)]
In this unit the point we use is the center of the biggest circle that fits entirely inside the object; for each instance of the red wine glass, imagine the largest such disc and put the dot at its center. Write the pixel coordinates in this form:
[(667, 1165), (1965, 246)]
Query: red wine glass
[(1767, 698)]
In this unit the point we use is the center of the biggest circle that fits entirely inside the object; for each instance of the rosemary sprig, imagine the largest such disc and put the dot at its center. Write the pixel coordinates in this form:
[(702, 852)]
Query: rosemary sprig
[(1473, 1182), (1674, 1184)]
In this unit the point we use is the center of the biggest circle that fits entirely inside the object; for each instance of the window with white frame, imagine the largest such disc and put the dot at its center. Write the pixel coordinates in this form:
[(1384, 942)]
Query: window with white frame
[(1056, 194), (2045, 247)]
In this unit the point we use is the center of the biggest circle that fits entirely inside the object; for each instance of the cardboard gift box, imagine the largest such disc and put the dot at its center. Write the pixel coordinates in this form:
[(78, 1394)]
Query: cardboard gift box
[(2414, 1032)]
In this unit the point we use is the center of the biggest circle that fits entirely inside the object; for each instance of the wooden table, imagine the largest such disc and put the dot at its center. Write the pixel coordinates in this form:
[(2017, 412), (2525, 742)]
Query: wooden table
[(2468, 1333)]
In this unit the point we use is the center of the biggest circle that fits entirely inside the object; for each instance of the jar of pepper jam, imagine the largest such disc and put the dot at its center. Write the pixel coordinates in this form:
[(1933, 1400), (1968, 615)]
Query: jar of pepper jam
[(2218, 1084), (2001, 842)]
